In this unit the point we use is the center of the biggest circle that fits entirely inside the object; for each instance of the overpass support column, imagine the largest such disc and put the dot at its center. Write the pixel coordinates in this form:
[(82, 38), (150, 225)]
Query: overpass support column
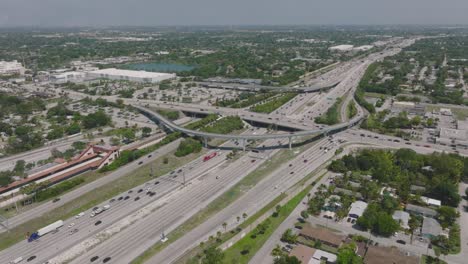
[(290, 143), (244, 143), (205, 140)]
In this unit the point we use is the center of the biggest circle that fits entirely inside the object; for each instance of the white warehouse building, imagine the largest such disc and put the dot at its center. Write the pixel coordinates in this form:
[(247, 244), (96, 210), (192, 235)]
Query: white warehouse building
[(11, 67), (128, 75)]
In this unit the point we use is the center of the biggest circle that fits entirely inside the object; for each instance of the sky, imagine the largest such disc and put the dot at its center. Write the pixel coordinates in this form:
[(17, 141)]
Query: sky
[(70, 13)]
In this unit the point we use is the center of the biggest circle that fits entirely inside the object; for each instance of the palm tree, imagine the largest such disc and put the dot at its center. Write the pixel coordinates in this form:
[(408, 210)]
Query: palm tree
[(244, 215), (224, 225), (238, 219)]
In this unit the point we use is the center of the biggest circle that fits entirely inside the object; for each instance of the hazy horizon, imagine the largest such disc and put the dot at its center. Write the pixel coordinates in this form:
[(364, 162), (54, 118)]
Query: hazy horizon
[(103, 13)]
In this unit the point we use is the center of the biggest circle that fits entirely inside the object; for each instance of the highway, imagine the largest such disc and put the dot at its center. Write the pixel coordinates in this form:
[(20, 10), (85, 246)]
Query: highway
[(172, 205), (70, 196), (52, 244), (264, 192)]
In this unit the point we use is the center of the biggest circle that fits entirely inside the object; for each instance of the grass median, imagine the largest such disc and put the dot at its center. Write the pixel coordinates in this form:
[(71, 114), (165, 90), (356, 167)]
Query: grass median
[(95, 197)]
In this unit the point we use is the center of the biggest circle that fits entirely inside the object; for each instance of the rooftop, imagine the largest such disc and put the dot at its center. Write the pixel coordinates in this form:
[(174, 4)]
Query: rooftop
[(388, 255), (402, 217), (303, 253), (431, 227), (422, 210), (129, 73), (322, 234), (357, 208)]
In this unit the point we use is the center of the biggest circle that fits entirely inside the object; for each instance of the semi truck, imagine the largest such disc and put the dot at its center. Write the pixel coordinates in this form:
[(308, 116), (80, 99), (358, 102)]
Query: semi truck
[(210, 156), (45, 230)]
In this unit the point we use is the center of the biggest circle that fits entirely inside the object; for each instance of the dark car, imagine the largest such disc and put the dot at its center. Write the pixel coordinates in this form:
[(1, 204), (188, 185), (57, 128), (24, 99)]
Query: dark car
[(139, 191), (120, 198), (149, 156), (106, 259), (130, 191), (112, 200), (137, 198), (56, 200), (94, 258), (156, 183), (140, 162), (292, 172), (98, 223), (399, 241), (305, 161), (127, 197), (95, 208), (31, 258)]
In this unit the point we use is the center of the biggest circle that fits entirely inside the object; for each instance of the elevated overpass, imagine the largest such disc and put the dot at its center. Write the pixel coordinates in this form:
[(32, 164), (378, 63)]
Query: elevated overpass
[(159, 119), (257, 88), (275, 120)]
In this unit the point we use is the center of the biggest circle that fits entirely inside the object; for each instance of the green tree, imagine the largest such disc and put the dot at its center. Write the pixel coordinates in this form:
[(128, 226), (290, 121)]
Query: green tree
[(285, 259), (347, 255), (447, 216), (212, 255), (289, 237)]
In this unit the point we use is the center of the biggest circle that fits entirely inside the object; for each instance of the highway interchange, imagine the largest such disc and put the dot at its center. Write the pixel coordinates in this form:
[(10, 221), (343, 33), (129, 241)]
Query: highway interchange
[(132, 225)]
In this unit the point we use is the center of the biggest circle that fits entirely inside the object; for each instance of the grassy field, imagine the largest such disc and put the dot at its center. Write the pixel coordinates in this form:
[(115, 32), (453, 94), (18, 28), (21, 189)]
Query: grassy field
[(238, 253), (91, 199), (221, 202)]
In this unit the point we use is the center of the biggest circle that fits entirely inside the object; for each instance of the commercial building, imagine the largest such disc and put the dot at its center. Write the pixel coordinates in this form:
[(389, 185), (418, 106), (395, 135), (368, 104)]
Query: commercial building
[(11, 68), (64, 77), (321, 256), (128, 75), (342, 48), (357, 209)]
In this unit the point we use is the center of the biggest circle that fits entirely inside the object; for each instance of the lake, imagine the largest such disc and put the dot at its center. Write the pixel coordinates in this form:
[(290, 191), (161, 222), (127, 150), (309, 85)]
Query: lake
[(159, 67)]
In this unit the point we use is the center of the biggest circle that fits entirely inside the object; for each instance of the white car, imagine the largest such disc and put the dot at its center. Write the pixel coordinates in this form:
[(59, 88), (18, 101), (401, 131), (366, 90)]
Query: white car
[(79, 215), (92, 214), (71, 225)]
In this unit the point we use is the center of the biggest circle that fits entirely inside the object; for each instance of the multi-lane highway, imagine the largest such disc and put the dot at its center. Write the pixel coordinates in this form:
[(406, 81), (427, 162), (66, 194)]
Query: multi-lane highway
[(70, 196), (134, 224)]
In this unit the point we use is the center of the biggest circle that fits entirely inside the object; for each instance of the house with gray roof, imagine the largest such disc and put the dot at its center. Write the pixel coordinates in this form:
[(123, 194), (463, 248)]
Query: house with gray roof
[(430, 228), (419, 210), (402, 217)]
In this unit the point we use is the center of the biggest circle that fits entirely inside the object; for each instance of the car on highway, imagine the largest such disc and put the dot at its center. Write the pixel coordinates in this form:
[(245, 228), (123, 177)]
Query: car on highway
[(98, 223), (112, 200), (120, 198), (73, 231), (149, 156), (137, 198), (139, 191), (399, 241), (31, 258), (71, 225), (140, 162), (130, 191), (79, 215), (56, 200), (94, 258), (127, 197), (156, 183), (106, 260)]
